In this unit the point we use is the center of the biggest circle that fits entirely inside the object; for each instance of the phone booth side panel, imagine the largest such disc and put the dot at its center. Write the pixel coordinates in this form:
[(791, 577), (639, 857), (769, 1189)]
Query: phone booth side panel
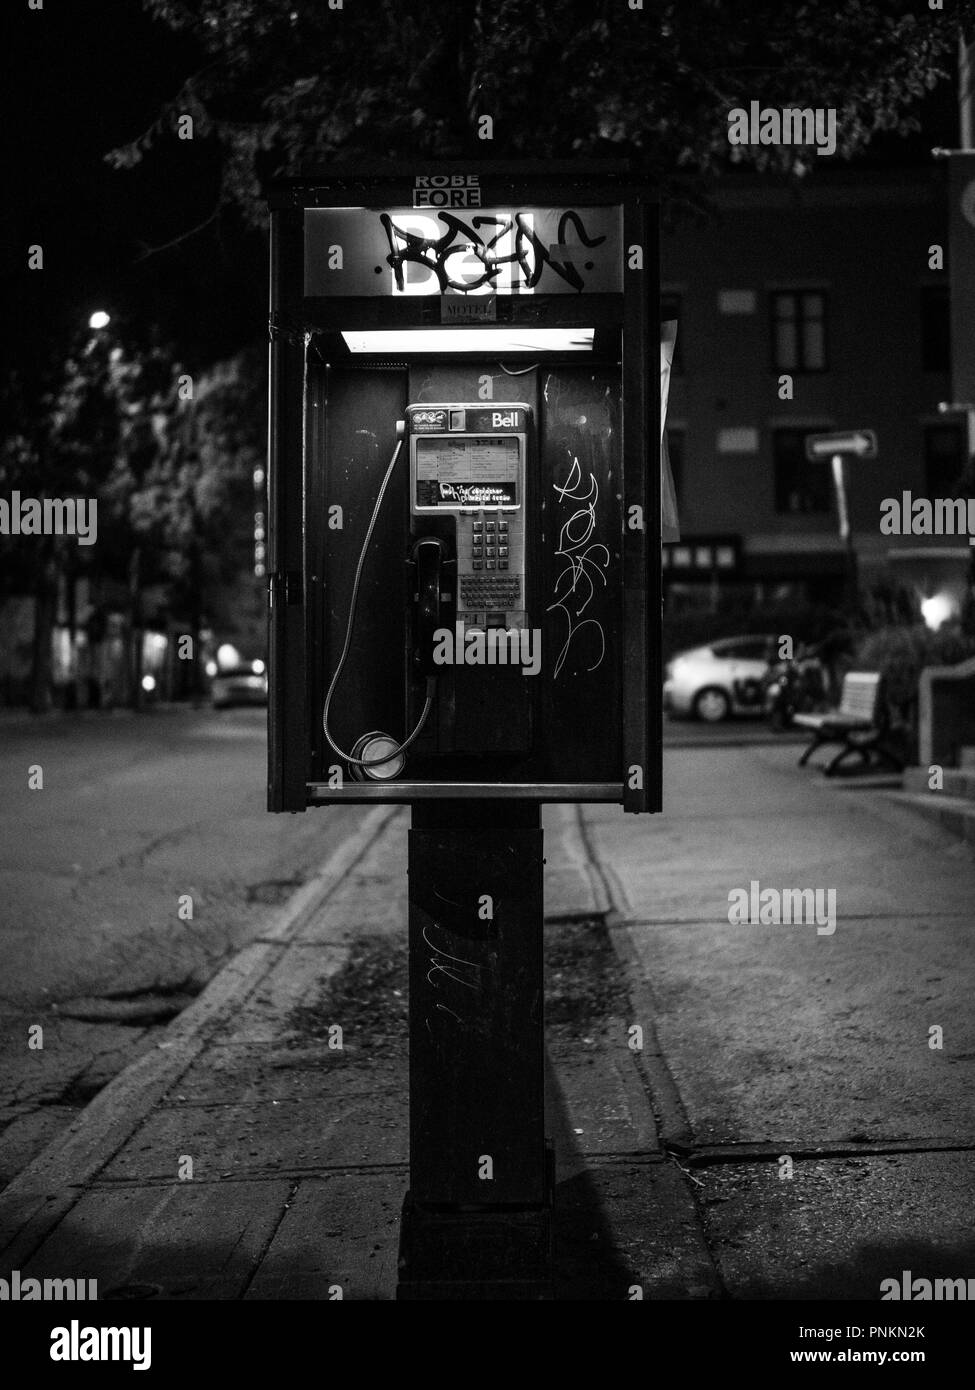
[(582, 604), (642, 662), (288, 714)]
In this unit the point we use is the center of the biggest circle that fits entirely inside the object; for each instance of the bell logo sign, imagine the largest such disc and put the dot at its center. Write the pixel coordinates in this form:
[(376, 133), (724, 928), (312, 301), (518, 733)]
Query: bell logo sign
[(501, 421)]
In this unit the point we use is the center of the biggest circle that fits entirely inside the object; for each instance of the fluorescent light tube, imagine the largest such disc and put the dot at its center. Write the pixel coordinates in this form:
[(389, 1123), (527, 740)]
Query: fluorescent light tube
[(495, 341)]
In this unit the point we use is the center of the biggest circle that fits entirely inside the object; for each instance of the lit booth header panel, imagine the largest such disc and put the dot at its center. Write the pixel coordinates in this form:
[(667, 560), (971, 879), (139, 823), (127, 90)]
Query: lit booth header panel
[(463, 547)]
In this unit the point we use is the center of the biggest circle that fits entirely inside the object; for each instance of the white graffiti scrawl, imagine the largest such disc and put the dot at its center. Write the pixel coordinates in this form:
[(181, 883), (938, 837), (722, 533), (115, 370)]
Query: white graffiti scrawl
[(583, 562)]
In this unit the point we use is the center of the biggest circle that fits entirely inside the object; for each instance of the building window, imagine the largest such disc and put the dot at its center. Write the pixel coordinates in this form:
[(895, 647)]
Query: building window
[(800, 486), (944, 458), (670, 309), (935, 329), (799, 331), (675, 452)]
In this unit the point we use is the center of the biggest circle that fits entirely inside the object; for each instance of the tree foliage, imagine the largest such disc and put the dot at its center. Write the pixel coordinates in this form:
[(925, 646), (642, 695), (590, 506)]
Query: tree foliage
[(199, 496), (169, 460), (288, 85)]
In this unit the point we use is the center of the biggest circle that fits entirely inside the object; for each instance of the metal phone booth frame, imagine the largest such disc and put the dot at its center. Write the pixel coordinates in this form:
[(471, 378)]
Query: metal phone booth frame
[(533, 287)]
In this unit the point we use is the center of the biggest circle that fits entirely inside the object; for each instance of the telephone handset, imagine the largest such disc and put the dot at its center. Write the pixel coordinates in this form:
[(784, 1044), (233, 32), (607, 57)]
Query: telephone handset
[(428, 560)]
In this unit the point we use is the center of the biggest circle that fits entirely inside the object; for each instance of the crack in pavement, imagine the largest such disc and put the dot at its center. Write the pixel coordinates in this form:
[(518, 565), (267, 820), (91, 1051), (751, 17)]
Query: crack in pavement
[(135, 859)]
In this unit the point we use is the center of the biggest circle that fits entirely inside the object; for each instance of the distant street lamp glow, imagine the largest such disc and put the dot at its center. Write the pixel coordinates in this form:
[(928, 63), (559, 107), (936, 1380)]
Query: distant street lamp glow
[(228, 655), (99, 319), (148, 683), (936, 610)]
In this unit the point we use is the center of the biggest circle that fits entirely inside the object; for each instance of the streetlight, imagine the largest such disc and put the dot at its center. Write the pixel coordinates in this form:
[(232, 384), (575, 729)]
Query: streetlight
[(936, 610), (99, 319)]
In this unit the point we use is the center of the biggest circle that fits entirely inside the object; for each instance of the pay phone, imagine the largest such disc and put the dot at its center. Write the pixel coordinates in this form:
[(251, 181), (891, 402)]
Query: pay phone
[(469, 647), (468, 578), (467, 463)]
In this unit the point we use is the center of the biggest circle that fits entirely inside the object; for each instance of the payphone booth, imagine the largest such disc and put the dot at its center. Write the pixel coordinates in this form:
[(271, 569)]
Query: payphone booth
[(465, 594)]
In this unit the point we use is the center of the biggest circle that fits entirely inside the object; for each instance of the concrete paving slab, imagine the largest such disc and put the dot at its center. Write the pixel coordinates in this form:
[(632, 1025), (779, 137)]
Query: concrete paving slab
[(761, 817), (295, 979), (838, 1227), (600, 1091), (339, 1238), (816, 1035), (671, 875), (248, 1073), (626, 1231), (362, 1122), (190, 1240)]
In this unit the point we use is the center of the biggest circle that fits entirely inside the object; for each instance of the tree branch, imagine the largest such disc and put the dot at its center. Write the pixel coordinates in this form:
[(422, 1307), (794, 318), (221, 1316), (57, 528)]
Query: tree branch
[(184, 236)]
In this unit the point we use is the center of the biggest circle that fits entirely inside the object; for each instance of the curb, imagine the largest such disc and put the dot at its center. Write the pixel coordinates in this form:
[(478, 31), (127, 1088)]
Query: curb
[(663, 1094), (46, 1190), (954, 814)]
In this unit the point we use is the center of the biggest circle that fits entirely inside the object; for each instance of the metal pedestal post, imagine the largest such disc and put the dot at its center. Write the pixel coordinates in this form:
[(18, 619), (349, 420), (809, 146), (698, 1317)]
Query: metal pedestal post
[(477, 1218)]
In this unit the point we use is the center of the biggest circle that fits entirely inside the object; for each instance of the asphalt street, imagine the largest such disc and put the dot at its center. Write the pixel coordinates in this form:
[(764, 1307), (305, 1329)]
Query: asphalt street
[(140, 821)]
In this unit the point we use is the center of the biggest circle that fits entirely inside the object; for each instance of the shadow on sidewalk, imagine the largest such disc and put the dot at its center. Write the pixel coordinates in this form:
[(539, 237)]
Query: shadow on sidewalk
[(586, 1263)]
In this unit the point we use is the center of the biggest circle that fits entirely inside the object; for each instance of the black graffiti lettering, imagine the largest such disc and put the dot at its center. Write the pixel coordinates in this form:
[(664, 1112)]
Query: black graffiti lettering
[(504, 225), (429, 252), (577, 222), (460, 238)]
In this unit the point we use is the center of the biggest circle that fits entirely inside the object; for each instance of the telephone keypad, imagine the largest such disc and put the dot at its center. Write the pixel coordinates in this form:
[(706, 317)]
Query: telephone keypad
[(479, 592), (485, 545)]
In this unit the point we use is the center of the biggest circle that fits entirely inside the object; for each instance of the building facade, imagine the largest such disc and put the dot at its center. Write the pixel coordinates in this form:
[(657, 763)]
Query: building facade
[(802, 311)]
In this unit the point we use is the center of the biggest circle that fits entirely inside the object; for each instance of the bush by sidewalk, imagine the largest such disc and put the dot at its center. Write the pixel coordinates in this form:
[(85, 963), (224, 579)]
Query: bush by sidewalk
[(900, 653)]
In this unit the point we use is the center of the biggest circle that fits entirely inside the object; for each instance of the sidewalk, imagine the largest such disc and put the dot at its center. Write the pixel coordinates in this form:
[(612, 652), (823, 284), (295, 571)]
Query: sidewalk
[(249, 1156)]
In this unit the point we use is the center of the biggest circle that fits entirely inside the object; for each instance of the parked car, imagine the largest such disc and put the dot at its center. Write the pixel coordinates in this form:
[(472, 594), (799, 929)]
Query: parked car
[(726, 677), (244, 684)]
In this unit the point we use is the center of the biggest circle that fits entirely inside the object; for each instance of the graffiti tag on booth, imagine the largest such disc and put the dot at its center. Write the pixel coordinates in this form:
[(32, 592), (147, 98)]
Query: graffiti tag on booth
[(356, 252)]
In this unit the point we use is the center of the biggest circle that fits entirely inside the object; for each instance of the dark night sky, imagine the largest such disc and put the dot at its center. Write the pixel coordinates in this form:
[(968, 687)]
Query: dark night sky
[(83, 76)]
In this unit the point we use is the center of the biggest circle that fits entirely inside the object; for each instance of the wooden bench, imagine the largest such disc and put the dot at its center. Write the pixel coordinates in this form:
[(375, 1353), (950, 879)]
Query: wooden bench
[(859, 723)]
